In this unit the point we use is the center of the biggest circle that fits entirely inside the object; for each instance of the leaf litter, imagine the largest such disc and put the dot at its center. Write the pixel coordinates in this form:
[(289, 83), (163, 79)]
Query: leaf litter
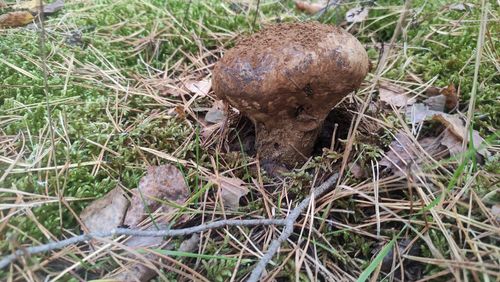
[(25, 13), (310, 8), (199, 87), (395, 95), (357, 15), (160, 184), (231, 189), (105, 213), (15, 19)]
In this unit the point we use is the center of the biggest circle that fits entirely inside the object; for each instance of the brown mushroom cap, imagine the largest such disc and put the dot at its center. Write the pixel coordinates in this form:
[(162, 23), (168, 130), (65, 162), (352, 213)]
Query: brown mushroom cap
[(286, 78)]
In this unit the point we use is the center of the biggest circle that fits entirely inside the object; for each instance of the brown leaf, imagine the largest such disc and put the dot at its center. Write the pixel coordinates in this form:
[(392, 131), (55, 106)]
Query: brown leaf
[(403, 152), (138, 271), (436, 103), (201, 87), (357, 171), (308, 8), (190, 244), (105, 213), (53, 7), (451, 95), (180, 111), (461, 6), (452, 143), (217, 113), (161, 183), (14, 19), (356, 15), (457, 127), (395, 95), (232, 189), (420, 112), (442, 99), (34, 6), (2, 4), (432, 91)]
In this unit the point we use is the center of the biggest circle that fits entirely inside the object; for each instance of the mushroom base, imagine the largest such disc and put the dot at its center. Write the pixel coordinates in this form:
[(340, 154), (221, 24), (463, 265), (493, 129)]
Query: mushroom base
[(284, 144)]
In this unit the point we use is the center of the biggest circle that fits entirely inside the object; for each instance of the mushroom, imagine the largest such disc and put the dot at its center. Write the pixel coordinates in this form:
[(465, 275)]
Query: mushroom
[(286, 79)]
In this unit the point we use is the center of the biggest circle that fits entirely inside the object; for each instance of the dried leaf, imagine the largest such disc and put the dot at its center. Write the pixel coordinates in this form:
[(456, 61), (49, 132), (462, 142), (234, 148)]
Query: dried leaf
[(200, 88), (308, 7), (419, 112), (180, 111), (105, 213), (2, 4), (452, 143), (461, 6), (136, 271), (232, 189), (53, 7), (403, 152), (27, 5), (190, 244), (356, 15), (161, 183), (208, 131), (217, 113), (34, 6), (400, 154), (436, 103), (357, 171), (451, 95), (395, 95), (443, 99), (457, 127), (14, 19)]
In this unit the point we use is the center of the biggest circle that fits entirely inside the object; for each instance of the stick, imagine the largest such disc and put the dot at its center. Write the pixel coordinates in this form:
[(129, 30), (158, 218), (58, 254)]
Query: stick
[(6, 260), (287, 231)]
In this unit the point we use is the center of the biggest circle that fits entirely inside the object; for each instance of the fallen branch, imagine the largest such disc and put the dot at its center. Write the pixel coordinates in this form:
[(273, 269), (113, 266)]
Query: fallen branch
[(287, 231), (6, 260), (288, 222)]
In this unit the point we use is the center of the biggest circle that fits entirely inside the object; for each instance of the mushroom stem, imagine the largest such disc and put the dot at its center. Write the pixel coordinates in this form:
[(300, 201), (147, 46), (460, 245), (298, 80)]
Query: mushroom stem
[(288, 141)]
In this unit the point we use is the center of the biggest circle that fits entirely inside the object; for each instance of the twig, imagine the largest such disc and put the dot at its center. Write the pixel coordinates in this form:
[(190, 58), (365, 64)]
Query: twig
[(287, 231), (6, 260), (46, 90), (256, 15)]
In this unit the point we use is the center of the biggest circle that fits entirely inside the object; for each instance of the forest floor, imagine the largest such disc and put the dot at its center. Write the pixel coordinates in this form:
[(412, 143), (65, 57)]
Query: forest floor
[(122, 87)]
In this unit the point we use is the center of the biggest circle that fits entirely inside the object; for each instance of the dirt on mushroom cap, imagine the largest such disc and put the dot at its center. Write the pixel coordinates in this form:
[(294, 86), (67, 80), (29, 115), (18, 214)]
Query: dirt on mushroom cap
[(305, 34), (286, 63)]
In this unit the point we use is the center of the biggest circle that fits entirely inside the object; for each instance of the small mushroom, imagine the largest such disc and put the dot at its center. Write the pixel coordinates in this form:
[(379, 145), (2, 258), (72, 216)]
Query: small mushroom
[(286, 79)]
